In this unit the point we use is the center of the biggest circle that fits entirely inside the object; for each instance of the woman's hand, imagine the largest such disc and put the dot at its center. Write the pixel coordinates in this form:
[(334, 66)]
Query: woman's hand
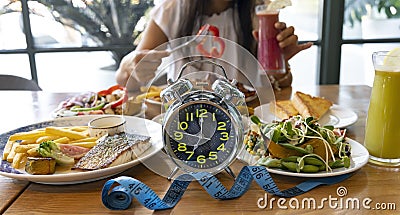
[(140, 65), (288, 41)]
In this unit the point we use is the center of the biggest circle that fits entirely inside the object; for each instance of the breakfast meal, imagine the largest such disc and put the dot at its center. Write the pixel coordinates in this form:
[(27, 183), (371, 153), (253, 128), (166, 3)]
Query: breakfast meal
[(113, 100), (298, 144), (42, 151), (303, 104)]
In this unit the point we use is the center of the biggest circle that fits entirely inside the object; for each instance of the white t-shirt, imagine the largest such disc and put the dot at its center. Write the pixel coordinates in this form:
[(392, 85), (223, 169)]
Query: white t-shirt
[(168, 16)]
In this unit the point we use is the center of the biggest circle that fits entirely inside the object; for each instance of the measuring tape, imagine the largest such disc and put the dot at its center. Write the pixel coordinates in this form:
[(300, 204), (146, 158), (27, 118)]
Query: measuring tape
[(120, 197)]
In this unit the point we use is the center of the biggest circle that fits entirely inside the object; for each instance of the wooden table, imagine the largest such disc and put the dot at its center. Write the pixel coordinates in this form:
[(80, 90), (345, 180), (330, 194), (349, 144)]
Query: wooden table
[(379, 184)]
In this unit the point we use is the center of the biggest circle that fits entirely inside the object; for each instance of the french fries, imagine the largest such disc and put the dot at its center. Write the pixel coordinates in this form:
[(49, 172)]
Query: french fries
[(151, 92), (24, 148), (11, 155), (79, 128), (7, 149), (28, 141), (147, 95), (27, 135), (75, 135), (63, 140), (46, 138), (19, 160), (89, 139), (22, 145), (85, 144), (151, 89), (33, 152)]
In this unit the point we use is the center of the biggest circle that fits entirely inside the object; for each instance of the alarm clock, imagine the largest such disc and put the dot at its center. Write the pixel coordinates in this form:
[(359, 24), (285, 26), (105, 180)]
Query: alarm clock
[(202, 126)]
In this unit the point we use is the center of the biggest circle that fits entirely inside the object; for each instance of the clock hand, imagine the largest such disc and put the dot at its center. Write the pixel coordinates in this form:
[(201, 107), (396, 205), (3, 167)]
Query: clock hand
[(201, 126), (202, 138), (196, 145), (201, 120), (210, 128), (183, 137)]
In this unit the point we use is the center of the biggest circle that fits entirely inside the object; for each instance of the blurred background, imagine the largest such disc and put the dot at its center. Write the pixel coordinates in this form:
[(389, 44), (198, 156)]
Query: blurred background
[(60, 42)]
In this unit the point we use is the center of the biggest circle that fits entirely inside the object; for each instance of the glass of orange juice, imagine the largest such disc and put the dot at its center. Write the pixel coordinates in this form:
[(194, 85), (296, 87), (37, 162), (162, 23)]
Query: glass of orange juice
[(382, 134)]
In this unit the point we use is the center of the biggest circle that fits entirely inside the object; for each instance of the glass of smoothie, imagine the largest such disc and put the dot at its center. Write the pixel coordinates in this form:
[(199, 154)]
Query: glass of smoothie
[(269, 54), (382, 134)]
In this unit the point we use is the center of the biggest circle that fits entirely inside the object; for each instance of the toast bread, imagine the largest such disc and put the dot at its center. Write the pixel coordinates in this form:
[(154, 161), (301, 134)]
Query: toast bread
[(283, 109), (308, 105)]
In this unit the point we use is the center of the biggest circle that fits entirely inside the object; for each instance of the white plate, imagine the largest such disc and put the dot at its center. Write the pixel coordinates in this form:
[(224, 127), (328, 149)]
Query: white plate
[(337, 116), (133, 125), (359, 157), (67, 113)]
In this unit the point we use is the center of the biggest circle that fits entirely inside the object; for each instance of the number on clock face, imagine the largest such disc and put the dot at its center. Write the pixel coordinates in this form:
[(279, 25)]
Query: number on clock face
[(201, 135)]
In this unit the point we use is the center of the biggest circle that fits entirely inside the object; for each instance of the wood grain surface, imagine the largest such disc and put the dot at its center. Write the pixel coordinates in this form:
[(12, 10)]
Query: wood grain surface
[(379, 184)]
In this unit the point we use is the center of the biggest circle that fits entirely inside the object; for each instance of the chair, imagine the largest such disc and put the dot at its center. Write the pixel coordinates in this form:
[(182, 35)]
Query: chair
[(11, 82)]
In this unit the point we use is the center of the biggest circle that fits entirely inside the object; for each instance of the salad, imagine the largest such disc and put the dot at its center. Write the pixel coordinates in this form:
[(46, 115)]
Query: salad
[(298, 144), (113, 100)]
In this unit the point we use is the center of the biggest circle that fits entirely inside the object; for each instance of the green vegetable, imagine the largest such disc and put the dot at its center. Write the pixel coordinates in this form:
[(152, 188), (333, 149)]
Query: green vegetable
[(270, 162), (291, 166), (255, 120), (294, 167), (310, 168), (291, 159), (336, 164), (81, 109), (296, 148), (314, 146), (313, 161), (346, 161), (52, 150)]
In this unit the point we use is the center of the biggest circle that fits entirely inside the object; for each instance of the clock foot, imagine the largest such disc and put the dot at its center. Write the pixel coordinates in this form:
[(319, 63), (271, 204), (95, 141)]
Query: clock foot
[(173, 173), (230, 172)]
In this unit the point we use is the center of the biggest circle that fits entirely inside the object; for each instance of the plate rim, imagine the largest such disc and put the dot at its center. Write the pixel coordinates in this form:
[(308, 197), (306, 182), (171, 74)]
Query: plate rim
[(67, 178), (363, 153), (336, 106), (54, 115)]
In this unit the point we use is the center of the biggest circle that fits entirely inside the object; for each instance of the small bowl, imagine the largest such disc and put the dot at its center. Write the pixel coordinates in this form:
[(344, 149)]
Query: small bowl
[(132, 107), (153, 108), (106, 125)]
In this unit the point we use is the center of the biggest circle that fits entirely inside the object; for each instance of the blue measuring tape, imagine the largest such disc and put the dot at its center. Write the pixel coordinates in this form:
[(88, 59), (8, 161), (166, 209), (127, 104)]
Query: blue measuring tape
[(120, 197)]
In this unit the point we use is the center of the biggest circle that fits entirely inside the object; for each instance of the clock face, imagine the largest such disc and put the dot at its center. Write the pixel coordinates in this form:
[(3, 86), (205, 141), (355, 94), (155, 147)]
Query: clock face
[(200, 135)]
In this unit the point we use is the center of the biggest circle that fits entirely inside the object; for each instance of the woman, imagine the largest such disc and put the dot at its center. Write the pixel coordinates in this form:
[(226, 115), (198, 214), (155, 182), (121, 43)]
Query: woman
[(173, 19)]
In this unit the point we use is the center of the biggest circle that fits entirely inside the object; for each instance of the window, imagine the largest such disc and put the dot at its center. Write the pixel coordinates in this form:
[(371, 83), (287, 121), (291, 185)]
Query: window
[(304, 16), (98, 33), (369, 26)]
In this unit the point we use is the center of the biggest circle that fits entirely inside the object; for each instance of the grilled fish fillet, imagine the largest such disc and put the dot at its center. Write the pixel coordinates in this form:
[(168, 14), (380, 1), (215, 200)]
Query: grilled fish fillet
[(114, 150)]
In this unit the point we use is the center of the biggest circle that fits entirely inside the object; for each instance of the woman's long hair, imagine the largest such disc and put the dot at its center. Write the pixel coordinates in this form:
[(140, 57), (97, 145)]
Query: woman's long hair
[(244, 10)]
